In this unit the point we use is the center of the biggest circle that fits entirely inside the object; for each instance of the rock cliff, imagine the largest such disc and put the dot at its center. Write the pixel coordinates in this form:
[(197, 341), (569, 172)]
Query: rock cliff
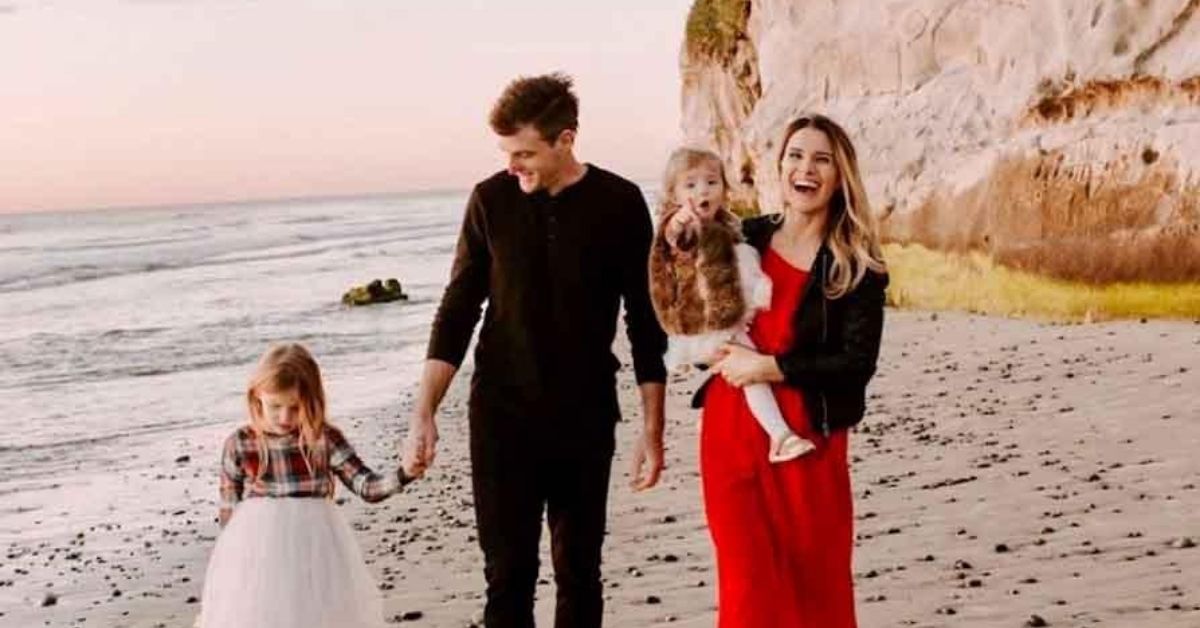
[(1061, 137)]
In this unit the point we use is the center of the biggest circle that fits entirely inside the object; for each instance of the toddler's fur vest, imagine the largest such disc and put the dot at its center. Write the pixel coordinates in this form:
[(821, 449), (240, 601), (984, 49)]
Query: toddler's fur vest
[(697, 291)]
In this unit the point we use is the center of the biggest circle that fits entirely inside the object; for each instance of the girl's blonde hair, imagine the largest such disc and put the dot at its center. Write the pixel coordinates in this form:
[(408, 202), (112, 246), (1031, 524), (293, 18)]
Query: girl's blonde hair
[(680, 161), (284, 368), (850, 231), (696, 291)]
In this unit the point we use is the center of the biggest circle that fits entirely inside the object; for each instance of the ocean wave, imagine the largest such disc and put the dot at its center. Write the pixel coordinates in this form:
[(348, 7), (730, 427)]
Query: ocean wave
[(110, 244), (310, 220), (132, 332), (42, 362), (297, 248), (47, 448), (80, 273), (45, 379)]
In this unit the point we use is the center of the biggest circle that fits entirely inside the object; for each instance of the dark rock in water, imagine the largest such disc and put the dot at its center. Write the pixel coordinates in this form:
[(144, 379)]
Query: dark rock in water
[(50, 600), (1036, 621), (375, 292)]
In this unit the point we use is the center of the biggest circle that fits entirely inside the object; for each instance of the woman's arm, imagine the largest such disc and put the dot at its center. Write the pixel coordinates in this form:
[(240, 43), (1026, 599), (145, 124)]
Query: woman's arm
[(741, 366), (853, 364)]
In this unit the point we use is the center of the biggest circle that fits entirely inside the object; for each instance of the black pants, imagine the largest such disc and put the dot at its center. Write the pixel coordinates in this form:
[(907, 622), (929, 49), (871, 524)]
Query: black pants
[(520, 468)]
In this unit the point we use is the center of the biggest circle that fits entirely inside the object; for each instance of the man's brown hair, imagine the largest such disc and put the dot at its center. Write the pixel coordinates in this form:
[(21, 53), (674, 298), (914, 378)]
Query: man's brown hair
[(546, 102)]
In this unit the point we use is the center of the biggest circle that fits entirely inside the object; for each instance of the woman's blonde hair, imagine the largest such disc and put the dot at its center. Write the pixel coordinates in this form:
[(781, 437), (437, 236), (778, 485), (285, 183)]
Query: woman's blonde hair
[(850, 231), (284, 368)]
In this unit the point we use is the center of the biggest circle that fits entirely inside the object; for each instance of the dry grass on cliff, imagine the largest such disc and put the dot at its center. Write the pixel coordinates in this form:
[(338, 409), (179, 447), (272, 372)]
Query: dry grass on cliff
[(926, 279), (1103, 261), (1131, 219), (714, 28)]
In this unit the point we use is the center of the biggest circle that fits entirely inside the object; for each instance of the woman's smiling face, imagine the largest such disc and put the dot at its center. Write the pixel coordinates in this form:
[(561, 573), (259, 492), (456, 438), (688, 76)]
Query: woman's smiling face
[(808, 171)]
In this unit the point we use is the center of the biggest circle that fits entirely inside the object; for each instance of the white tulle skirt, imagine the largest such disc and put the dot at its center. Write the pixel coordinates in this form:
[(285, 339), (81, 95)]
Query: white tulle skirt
[(288, 563), (684, 351)]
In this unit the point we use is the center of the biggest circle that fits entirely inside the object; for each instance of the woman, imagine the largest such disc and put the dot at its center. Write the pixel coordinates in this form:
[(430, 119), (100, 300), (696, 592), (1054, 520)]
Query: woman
[(783, 533)]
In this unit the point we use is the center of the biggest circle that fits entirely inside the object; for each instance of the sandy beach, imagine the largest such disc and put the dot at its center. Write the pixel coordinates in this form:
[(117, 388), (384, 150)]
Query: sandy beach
[(1008, 473)]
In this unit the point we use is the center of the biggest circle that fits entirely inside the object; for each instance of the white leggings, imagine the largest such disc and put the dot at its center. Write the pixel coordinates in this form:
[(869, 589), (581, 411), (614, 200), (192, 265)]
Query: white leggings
[(762, 401)]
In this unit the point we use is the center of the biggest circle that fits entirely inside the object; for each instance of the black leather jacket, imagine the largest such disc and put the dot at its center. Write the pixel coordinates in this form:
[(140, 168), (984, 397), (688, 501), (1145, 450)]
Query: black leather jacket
[(836, 341)]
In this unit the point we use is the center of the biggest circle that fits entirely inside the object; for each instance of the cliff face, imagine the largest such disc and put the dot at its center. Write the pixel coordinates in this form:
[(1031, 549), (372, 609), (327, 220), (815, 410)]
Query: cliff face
[(1062, 137)]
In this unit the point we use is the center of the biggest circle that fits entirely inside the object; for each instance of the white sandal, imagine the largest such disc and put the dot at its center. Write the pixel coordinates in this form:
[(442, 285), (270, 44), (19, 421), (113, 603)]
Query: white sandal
[(789, 447)]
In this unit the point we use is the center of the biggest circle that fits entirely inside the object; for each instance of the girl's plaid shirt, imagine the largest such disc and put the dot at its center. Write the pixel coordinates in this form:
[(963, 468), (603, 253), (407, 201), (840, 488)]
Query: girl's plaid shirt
[(287, 474)]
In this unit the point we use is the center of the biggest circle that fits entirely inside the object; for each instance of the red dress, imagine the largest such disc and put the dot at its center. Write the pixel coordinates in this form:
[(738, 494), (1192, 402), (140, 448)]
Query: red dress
[(783, 532)]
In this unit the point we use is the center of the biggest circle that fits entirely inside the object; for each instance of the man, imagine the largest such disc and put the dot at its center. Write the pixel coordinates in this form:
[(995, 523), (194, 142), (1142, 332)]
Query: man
[(554, 246)]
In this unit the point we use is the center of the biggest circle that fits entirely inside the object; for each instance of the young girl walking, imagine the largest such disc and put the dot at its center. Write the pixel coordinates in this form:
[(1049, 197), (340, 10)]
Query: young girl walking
[(286, 558), (706, 284)]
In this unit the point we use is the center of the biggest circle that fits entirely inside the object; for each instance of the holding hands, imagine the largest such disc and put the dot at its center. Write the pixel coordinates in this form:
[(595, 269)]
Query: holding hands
[(419, 447), (412, 467)]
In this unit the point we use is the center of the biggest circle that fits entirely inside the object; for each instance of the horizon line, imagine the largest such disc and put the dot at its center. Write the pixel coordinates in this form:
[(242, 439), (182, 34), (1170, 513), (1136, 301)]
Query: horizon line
[(208, 204), (265, 200)]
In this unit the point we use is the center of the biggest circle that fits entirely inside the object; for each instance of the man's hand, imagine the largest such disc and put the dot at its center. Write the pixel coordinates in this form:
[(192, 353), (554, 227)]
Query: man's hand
[(647, 461), (412, 467), (420, 446)]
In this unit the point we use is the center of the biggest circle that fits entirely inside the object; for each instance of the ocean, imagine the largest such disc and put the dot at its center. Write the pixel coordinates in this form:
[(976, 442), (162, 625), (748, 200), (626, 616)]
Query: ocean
[(127, 337), (124, 332), (114, 323)]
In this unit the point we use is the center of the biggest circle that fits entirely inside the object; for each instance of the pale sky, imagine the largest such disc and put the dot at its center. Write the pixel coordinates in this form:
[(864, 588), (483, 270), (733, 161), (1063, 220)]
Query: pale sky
[(107, 103)]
